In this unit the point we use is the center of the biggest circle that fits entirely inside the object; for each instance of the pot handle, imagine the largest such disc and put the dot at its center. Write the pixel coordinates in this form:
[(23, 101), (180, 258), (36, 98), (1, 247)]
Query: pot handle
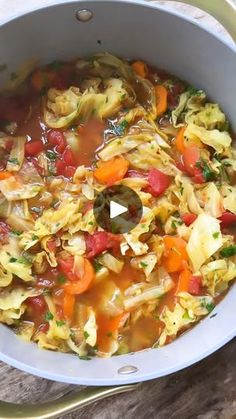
[(68, 403), (223, 10)]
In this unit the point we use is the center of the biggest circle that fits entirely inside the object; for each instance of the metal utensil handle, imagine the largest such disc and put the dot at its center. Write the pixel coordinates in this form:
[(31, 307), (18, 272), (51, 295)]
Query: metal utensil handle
[(61, 406), (223, 10)]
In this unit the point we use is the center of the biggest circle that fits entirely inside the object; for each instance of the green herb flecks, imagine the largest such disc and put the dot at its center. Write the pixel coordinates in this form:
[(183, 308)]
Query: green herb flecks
[(121, 128), (60, 323), (143, 264), (216, 235), (86, 334), (97, 265), (51, 155), (227, 252), (84, 357), (48, 316), (207, 172), (61, 279)]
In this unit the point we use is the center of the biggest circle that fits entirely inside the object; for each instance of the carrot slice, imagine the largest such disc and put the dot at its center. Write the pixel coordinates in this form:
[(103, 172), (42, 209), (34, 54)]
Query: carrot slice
[(179, 140), (111, 171), (140, 68), (184, 281), (161, 99), (175, 254), (68, 306), (83, 283), (5, 175)]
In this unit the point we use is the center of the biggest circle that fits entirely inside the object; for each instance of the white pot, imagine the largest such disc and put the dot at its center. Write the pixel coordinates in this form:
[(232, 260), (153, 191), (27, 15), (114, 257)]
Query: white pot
[(166, 39)]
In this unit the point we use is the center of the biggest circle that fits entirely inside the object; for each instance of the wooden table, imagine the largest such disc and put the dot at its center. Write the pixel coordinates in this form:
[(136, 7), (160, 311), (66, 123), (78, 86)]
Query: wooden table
[(206, 390)]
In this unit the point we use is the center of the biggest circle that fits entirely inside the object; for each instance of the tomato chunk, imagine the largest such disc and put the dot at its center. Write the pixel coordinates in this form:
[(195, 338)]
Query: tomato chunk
[(37, 304), (56, 139), (158, 182), (227, 219), (188, 218), (66, 266), (34, 147), (98, 242), (195, 284)]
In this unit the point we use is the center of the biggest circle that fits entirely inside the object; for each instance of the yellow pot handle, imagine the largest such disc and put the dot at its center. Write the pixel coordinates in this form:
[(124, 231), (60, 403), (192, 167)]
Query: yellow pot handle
[(223, 10), (61, 406)]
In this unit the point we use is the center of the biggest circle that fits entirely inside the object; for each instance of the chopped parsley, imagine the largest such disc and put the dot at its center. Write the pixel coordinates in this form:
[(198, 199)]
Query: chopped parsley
[(97, 265), (176, 223), (13, 160), (61, 279), (46, 291), (207, 172), (34, 237), (49, 316), (86, 334), (16, 232), (51, 155), (12, 260), (216, 235), (84, 357), (121, 128), (227, 252), (143, 264), (193, 91), (60, 323), (210, 307)]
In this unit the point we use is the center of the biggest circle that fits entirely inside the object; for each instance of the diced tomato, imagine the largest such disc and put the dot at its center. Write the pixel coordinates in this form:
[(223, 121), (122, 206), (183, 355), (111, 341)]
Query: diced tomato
[(66, 266), (227, 219), (191, 156), (34, 147), (195, 284), (68, 157), (57, 140), (98, 242), (66, 165), (4, 232), (69, 171), (60, 167), (158, 182), (37, 304), (188, 218)]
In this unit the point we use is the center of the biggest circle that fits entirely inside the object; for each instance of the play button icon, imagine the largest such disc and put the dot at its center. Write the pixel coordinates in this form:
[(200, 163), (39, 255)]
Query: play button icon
[(118, 209)]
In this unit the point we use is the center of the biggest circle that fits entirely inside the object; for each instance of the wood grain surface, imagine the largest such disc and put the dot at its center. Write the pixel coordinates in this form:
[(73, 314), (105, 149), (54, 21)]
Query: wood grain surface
[(207, 390)]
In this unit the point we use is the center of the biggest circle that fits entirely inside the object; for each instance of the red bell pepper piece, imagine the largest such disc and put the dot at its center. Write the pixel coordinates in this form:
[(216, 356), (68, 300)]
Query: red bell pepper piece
[(195, 284), (188, 218), (227, 219), (98, 242), (34, 147), (158, 182)]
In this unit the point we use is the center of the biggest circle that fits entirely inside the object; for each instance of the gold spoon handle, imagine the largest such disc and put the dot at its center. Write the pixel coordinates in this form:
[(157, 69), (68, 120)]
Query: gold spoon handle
[(61, 406)]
